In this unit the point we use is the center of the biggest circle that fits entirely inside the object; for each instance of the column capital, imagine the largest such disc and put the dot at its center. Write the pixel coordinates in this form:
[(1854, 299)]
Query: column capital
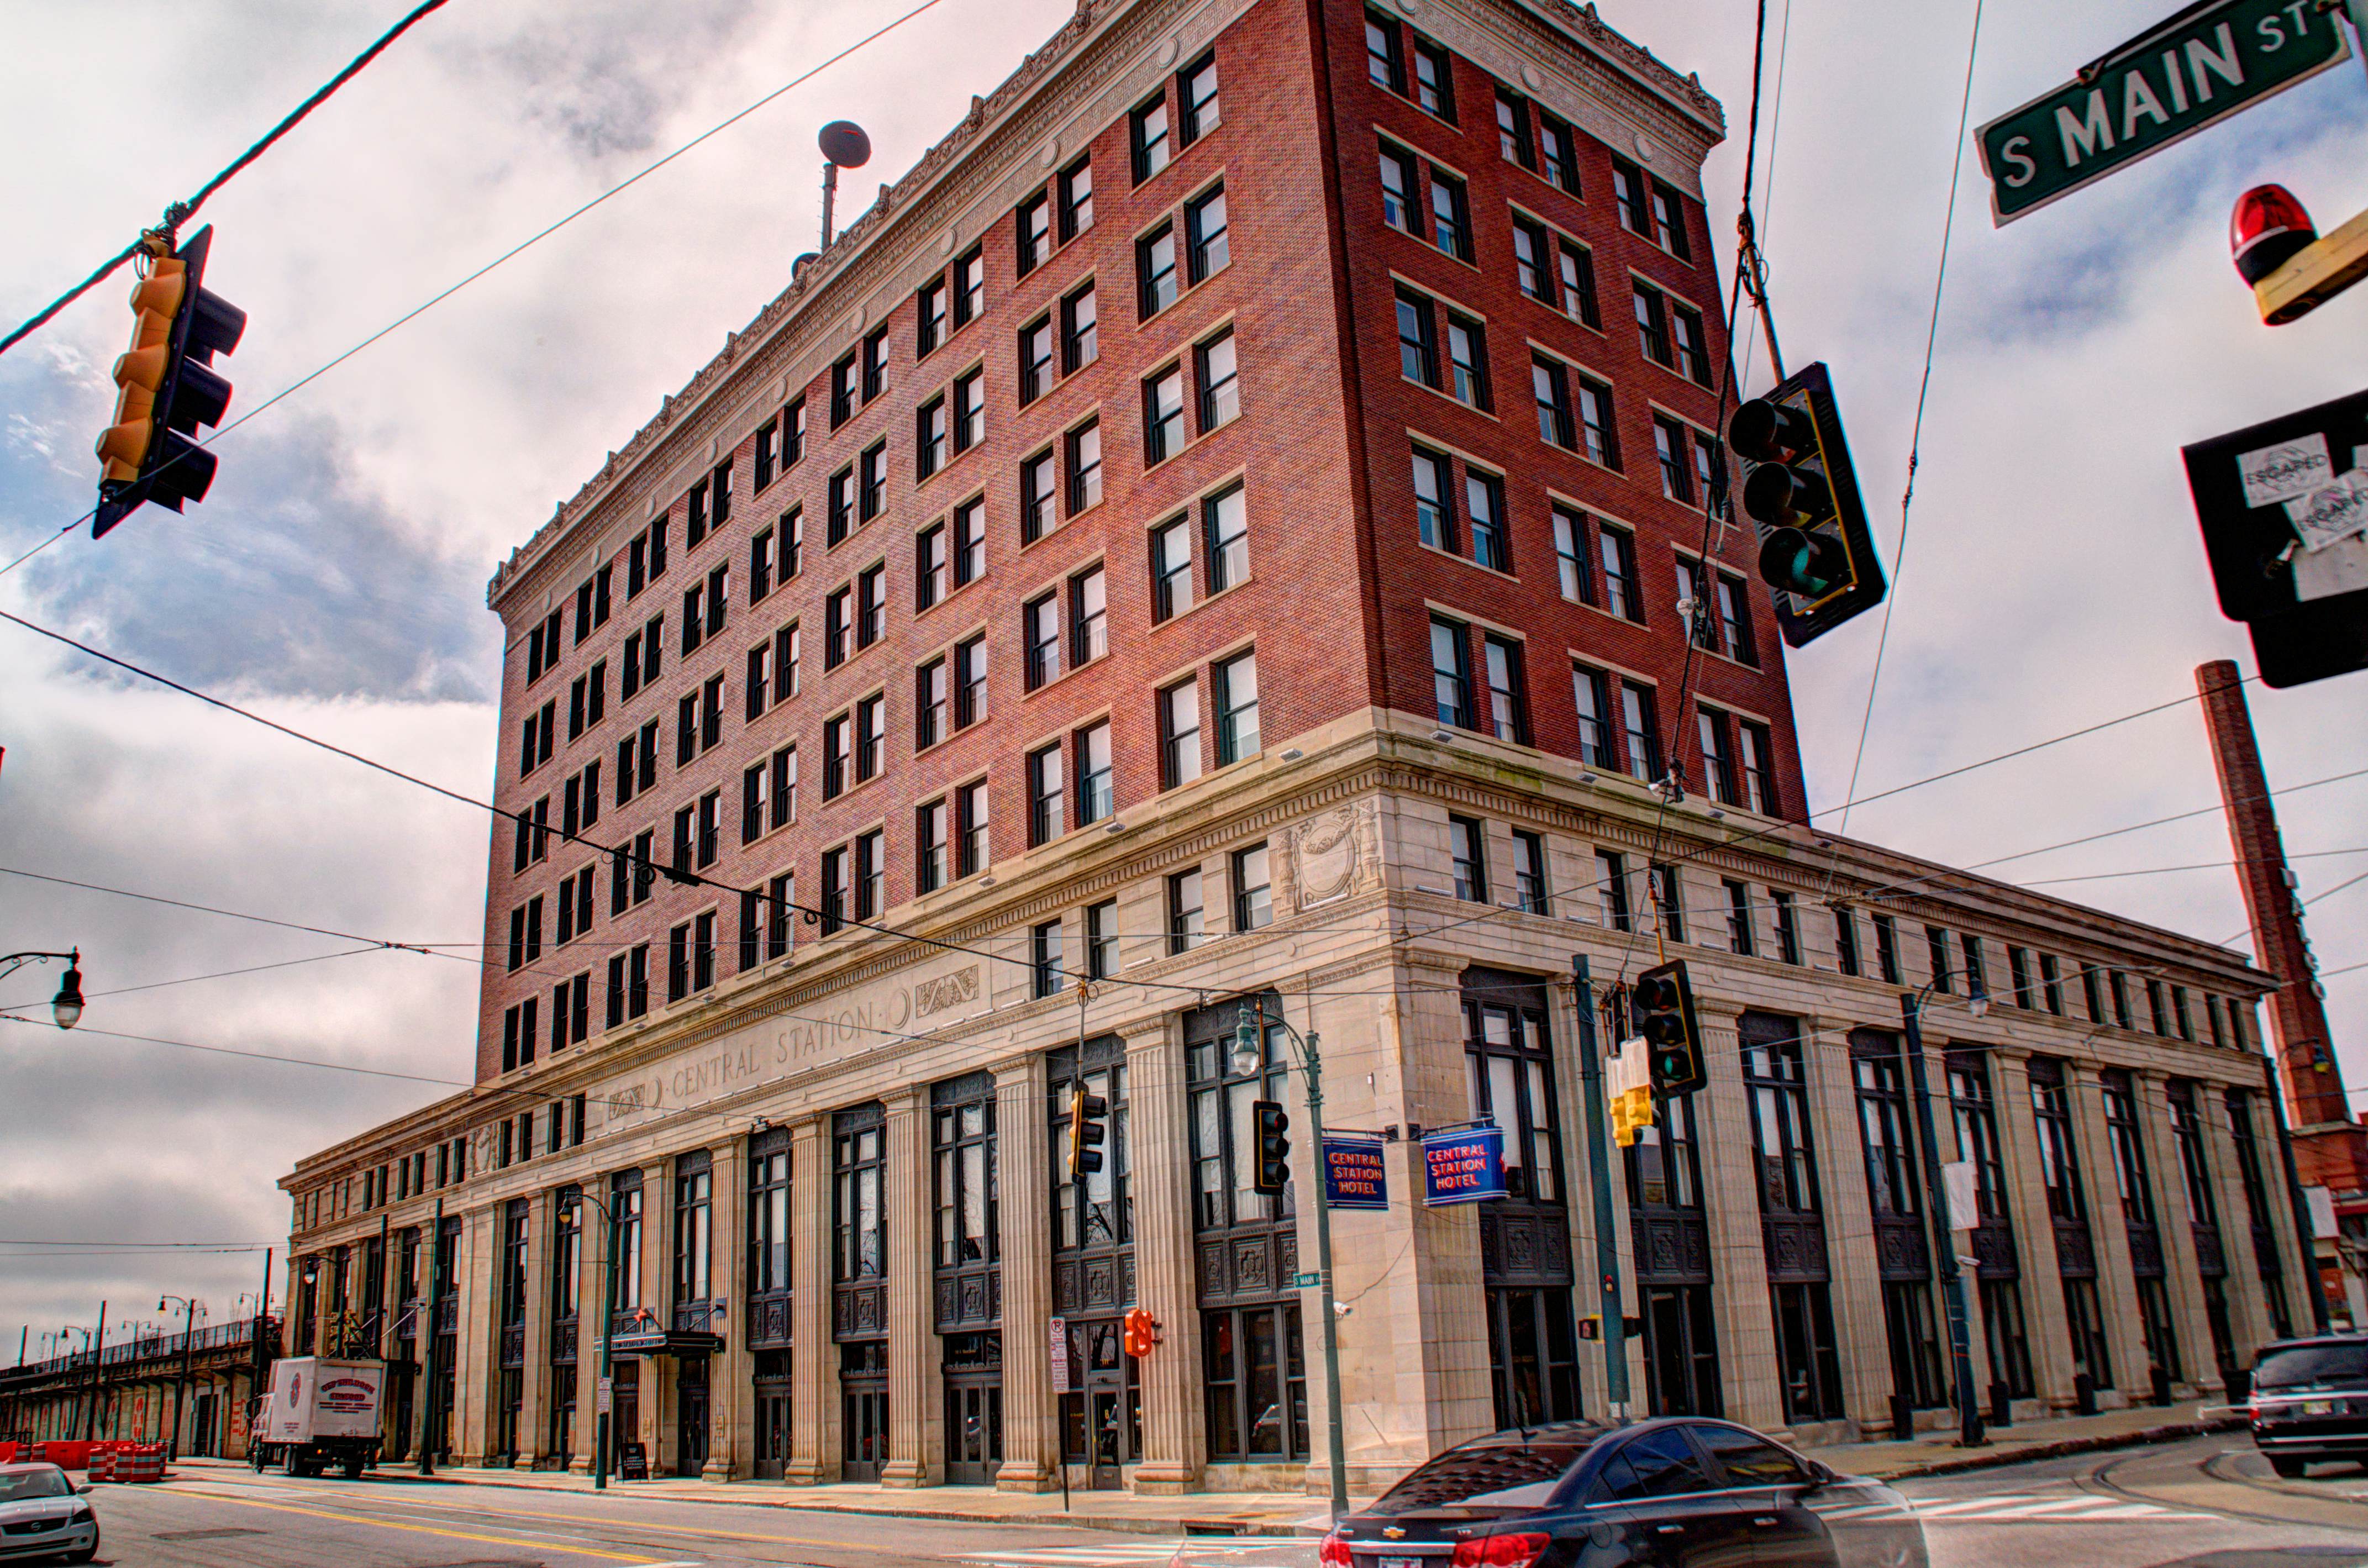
[(1014, 1067), (1147, 1034)]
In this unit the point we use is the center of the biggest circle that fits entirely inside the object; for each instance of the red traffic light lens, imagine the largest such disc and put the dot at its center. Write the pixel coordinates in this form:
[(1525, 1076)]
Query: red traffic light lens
[(2265, 230)]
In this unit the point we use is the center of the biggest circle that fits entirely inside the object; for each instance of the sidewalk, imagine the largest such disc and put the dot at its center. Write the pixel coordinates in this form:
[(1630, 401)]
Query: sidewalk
[(1936, 1453)]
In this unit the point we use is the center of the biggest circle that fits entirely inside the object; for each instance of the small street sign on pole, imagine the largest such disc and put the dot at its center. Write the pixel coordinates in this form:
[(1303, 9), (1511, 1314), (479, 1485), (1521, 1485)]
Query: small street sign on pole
[(2194, 69)]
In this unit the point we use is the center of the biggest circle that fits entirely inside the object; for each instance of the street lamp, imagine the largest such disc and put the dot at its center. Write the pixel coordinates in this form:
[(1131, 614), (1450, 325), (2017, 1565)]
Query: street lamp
[(180, 1384), (1250, 1059), (1944, 1244), (66, 1005), (607, 1354)]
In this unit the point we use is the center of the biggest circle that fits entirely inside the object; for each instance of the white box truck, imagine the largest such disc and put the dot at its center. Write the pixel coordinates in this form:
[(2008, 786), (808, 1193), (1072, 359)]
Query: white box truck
[(320, 1413)]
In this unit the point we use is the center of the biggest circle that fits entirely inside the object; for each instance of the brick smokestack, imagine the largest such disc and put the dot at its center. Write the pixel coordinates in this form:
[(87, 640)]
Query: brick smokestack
[(2314, 1083)]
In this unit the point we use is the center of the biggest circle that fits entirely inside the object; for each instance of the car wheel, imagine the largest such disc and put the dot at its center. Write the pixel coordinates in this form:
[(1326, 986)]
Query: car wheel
[(2291, 1468), (85, 1553), (353, 1470)]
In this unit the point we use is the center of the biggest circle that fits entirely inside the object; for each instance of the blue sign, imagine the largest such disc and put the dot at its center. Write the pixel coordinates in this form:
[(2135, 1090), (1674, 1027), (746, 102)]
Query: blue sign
[(1354, 1177), (1463, 1167)]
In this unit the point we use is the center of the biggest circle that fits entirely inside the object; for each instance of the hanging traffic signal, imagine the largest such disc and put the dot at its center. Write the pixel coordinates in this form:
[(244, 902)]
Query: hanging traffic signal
[(1140, 1331), (1798, 486), (1664, 1006), (167, 389), (1270, 1124), (2279, 252), (1086, 1133)]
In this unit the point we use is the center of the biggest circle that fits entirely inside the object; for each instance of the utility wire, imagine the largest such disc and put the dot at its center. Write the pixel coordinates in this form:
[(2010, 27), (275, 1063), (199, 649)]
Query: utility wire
[(181, 212), (251, 1055), (1923, 389), (210, 909), (217, 975)]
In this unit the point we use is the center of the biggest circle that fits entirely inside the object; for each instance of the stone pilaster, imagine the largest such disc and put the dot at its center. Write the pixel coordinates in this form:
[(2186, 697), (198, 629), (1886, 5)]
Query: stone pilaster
[(1161, 1161), (2176, 1218), (2109, 1230), (534, 1370), (2249, 1325), (916, 1399), (591, 1321), (657, 1426), (2048, 1332), (1023, 1130), (732, 1377), (1855, 1278), (1747, 1314), (476, 1354), (814, 1363)]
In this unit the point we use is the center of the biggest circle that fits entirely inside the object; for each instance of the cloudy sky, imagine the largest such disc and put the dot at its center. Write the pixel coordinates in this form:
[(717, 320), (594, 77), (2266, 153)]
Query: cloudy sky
[(335, 578)]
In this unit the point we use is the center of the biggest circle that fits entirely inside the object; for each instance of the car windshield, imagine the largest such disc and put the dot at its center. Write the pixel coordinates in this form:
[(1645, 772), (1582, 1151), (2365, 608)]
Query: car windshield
[(18, 1486), (1494, 1475), (2314, 1366)]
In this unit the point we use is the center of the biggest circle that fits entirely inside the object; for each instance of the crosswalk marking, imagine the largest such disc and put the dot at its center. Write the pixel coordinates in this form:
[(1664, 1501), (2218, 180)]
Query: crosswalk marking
[(1126, 1553), (2074, 1508)]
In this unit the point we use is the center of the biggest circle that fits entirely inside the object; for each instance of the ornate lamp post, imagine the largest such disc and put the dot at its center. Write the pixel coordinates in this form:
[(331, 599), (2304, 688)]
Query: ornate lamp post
[(66, 1005)]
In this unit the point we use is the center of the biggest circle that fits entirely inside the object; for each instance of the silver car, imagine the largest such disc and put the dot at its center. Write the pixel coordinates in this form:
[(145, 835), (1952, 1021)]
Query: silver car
[(44, 1515)]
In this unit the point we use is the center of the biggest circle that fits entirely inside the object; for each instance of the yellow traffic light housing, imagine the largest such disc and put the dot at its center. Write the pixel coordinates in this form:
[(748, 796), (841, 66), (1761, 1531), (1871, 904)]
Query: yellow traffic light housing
[(167, 389)]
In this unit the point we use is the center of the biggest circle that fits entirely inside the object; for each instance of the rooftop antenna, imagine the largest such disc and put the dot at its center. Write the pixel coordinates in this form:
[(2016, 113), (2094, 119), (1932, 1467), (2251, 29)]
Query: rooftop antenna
[(844, 146)]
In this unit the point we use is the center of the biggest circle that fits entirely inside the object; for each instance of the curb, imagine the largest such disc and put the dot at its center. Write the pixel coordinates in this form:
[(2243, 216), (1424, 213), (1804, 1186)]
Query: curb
[(2065, 1447)]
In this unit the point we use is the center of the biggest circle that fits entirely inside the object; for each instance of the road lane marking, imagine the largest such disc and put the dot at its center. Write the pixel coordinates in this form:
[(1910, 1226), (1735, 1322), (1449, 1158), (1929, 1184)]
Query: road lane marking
[(426, 1529)]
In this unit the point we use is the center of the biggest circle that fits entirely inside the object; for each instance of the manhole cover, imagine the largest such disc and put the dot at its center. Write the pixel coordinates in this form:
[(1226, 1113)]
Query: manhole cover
[(202, 1535)]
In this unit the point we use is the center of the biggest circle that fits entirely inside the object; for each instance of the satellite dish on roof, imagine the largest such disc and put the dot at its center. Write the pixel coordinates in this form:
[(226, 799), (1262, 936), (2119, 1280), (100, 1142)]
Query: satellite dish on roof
[(844, 143)]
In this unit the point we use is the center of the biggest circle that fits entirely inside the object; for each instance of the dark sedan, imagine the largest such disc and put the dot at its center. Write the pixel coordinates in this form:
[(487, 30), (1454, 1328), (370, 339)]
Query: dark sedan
[(1679, 1492), (2310, 1402)]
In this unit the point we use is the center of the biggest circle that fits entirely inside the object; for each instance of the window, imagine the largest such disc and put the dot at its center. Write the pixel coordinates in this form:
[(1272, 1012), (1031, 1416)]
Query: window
[(1045, 817), (1080, 344), (930, 704), (1628, 193), (1612, 882), (971, 824), (1652, 325), (1234, 686), (543, 648), (970, 286), (1417, 340), (1044, 959), (1687, 341), (1573, 574), (756, 781), (1672, 445), (932, 571), (1434, 508), (1077, 193), (842, 504), (929, 322), (1397, 188), (929, 438), (1755, 752), (1467, 852), (1739, 938), (875, 364), (1434, 85), (1036, 510), (842, 391), (1089, 616), (874, 498), (859, 1165), (1549, 386), (1085, 445), (1595, 422), (1040, 622), (1451, 214), (1197, 92), (592, 603), (1450, 673), (1385, 53), (1643, 730), (1508, 718), (760, 564), (929, 846), (1735, 619), (1097, 786), (970, 680), (871, 736), (1531, 893), (1978, 982), (970, 541), (1155, 269), (1669, 220), (1035, 360), (1225, 530), (1149, 138), (1220, 397), (1718, 762), (871, 873), (1936, 948), (1185, 926), (783, 790), (1845, 954), (1180, 734), (1668, 897), (1886, 948), (1206, 248), (1576, 266), (536, 738), (1557, 152), (970, 410), (871, 604), (1591, 691), (838, 626), (2051, 988), (838, 753), (1513, 141), (1467, 359), (1622, 595), (1788, 926), (1101, 940), (1252, 889), (1032, 240), (794, 433), (1531, 262)]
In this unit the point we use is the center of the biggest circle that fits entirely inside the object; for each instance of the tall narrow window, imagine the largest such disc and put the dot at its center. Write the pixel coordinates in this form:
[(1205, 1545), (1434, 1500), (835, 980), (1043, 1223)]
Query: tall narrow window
[(1550, 388), (1076, 199), (929, 846), (1096, 784), (1088, 616), (1036, 506), (1513, 140), (1044, 959), (1434, 507), (970, 410), (1036, 347), (1172, 569), (1398, 207), (1590, 689), (1085, 467), (1467, 852), (1031, 233), (1434, 83), (1180, 734), (1252, 889), (1040, 637), (1508, 717), (1045, 793), (1622, 595), (1185, 917), (1207, 249), (1151, 139), (1450, 673), (971, 845), (970, 286), (929, 438), (1529, 889), (1234, 684), (1155, 269), (1163, 415), (1601, 436), (1197, 92), (1451, 214), (1080, 335), (1214, 367), (1643, 730), (970, 541), (1483, 504), (1225, 525)]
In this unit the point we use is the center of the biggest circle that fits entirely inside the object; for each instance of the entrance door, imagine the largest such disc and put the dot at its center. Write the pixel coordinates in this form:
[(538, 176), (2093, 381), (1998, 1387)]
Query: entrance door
[(1680, 1350), (974, 1428), (1102, 1424), (772, 1427), (625, 1412), (863, 1409), (202, 1434), (690, 1416)]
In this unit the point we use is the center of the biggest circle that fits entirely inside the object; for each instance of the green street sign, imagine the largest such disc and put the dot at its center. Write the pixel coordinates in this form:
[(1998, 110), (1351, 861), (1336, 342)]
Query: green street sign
[(1306, 1281), (2193, 71)]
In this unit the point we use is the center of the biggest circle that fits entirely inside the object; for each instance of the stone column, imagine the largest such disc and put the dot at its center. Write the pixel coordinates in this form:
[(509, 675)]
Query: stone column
[(657, 1426), (915, 1397), (814, 1362), (1853, 1270), (732, 1377), (2249, 1325), (1161, 1162), (475, 1351), (2116, 1286), (534, 1366), (1024, 1181), (2049, 1335), (591, 1320), (2175, 1218), (1746, 1313)]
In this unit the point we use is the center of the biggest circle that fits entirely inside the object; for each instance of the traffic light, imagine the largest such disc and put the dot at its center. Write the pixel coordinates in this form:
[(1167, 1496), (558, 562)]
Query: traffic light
[(1664, 1006), (167, 389), (1798, 486), (1140, 1331), (2279, 253), (1086, 1133), (1269, 1123)]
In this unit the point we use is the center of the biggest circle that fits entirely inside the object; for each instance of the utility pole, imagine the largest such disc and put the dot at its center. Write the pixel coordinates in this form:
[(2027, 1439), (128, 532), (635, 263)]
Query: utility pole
[(1600, 1164), (427, 1377), (604, 1391), (1944, 1240), (97, 1355)]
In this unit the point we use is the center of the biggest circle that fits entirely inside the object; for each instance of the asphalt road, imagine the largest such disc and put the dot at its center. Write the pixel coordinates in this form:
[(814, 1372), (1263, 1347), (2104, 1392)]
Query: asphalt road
[(2210, 1503)]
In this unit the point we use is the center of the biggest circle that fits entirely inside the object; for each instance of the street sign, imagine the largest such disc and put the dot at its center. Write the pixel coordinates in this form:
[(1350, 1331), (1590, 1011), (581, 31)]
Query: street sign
[(1464, 1165), (1059, 1336), (607, 1397), (2193, 70), (1354, 1177), (2284, 506), (1305, 1281)]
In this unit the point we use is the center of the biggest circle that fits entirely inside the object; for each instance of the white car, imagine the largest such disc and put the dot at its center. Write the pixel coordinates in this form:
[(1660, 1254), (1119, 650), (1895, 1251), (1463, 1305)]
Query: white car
[(44, 1515)]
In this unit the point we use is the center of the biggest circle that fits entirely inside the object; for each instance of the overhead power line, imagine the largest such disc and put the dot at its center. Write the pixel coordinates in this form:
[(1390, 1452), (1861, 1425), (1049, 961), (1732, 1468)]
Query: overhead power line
[(181, 212), (250, 1055)]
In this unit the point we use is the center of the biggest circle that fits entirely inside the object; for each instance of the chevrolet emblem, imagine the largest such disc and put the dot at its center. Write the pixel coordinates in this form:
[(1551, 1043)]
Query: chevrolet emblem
[(1394, 1533)]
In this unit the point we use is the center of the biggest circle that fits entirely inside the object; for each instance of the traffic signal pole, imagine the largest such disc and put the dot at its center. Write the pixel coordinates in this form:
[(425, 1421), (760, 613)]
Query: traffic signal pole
[(1598, 1155), (1944, 1240)]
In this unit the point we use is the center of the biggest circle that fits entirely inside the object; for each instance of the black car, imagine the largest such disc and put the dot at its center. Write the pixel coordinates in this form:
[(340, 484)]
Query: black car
[(1679, 1493), (2310, 1400)]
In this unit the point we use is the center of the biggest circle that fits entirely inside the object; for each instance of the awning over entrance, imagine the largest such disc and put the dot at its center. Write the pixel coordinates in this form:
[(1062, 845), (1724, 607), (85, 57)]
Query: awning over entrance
[(678, 1343)]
